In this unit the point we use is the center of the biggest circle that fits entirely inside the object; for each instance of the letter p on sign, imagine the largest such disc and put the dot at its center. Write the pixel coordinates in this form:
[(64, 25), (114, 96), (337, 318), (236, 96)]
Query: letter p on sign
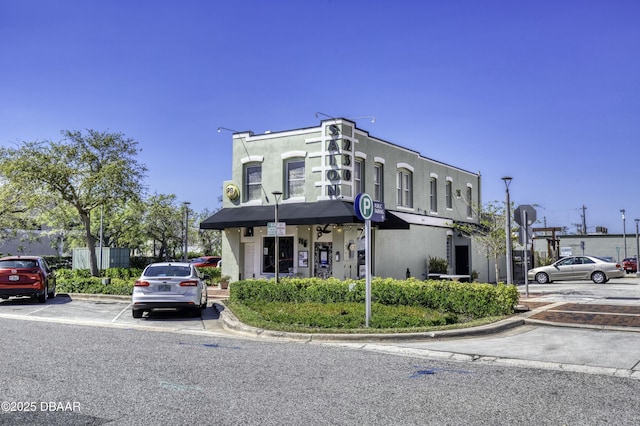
[(363, 206)]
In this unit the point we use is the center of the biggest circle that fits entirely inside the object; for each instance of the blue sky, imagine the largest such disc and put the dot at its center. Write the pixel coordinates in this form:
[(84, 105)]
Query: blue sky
[(544, 91)]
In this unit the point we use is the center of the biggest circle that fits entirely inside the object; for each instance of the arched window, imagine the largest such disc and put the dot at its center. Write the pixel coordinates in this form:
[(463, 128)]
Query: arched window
[(378, 169), (295, 178), (433, 193), (252, 181), (404, 185)]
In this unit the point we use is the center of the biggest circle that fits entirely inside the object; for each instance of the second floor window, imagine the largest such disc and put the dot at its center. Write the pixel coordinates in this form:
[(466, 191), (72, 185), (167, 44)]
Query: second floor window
[(448, 195), (404, 186), (253, 182), (469, 202), (433, 194), (357, 176), (377, 182), (295, 179)]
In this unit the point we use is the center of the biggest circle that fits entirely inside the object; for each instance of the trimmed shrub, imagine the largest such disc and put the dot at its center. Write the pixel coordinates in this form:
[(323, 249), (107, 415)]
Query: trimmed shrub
[(93, 285), (470, 299)]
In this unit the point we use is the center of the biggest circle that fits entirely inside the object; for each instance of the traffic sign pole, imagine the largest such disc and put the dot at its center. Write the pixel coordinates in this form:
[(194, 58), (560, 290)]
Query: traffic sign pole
[(364, 209), (526, 243), (367, 266)]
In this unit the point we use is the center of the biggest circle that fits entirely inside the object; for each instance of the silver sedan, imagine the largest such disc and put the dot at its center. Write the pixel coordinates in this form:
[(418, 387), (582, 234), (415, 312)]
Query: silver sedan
[(169, 285), (577, 268)]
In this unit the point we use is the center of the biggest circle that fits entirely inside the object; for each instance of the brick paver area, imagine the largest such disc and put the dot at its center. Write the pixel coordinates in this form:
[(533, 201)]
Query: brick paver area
[(599, 315)]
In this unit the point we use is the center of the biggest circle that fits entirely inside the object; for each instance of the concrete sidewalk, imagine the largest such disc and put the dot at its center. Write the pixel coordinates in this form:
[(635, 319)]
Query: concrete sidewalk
[(556, 335)]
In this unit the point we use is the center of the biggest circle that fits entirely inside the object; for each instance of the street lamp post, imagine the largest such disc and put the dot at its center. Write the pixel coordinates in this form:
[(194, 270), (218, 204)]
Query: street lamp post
[(507, 181), (637, 250), (277, 195), (185, 247), (624, 234)]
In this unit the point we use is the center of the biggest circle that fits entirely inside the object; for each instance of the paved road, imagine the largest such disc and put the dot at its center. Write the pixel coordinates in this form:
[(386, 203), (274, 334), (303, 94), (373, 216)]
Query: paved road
[(87, 375)]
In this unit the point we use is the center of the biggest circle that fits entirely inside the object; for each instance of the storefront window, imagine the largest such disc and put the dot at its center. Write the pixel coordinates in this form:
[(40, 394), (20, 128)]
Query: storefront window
[(286, 248)]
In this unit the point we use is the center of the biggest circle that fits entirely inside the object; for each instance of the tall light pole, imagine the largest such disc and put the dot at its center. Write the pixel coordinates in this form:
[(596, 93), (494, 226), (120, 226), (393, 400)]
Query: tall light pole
[(185, 247), (637, 250), (507, 181), (101, 236), (277, 195), (624, 234)]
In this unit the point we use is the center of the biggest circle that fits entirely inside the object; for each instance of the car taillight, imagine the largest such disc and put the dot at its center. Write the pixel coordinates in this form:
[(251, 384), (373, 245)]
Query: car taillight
[(140, 283), (190, 283)]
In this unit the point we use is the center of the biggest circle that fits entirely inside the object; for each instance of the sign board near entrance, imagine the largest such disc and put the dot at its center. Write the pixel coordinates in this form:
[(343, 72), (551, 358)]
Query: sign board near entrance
[(276, 229)]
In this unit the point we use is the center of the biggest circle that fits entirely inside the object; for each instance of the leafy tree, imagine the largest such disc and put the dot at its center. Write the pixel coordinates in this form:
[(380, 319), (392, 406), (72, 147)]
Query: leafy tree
[(85, 171), (63, 225), (13, 208), (489, 234), (123, 225), (209, 239), (163, 223)]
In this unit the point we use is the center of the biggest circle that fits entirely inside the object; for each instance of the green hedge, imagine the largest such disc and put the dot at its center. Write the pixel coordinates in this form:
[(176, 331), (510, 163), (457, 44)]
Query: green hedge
[(472, 299), (93, 285), (121, 281), (120, 273)]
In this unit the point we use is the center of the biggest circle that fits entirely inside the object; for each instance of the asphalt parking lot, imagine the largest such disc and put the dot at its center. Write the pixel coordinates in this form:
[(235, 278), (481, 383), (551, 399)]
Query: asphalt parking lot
[(105, 311)]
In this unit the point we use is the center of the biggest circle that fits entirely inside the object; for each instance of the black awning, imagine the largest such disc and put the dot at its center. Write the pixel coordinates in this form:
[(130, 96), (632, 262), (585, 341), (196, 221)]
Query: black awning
[(322, 212)]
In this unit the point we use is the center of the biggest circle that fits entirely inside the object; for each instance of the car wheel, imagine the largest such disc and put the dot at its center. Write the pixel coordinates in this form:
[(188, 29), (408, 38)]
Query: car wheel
[(542, 278), (43, 297), (599, 277), (137, 313)]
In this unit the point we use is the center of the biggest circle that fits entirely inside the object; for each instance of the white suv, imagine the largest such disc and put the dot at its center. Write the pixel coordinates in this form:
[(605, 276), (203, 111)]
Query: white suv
[(173, 285)]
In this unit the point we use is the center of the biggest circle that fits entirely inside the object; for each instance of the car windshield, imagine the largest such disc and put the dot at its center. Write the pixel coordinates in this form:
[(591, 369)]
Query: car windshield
[(167, 271), (197, 260), (18, 263)]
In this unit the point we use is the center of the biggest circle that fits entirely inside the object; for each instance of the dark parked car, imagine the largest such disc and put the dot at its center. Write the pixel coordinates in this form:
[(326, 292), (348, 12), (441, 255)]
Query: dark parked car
[(206, 261), (630, 264), (26, 276)]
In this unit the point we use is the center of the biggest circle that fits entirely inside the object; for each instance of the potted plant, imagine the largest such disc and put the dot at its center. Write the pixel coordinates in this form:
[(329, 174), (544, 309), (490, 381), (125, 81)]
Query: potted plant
[(224, 282)]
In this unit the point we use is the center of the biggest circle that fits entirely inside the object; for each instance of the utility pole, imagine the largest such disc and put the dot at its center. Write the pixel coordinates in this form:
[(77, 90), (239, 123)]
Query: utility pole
[(584, 219)]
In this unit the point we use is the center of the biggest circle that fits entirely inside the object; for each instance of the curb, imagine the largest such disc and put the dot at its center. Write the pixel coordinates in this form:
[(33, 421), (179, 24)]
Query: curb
[(87, 296)]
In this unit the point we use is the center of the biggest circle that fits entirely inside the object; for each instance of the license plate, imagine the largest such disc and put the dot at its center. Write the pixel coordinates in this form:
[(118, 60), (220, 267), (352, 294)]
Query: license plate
[(14, 277), (164, 287)]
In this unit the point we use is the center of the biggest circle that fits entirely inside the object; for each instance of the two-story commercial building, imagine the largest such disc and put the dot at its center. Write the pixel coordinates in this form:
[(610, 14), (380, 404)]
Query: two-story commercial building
[(311, 176)]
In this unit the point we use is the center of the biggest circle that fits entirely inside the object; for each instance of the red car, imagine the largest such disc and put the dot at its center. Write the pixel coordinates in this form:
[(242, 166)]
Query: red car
[(206, 261), (26, 276), (630, 264)]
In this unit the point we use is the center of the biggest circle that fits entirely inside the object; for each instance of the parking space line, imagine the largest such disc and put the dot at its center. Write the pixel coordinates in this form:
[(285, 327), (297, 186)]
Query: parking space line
[(121, 312), (38, 310)]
